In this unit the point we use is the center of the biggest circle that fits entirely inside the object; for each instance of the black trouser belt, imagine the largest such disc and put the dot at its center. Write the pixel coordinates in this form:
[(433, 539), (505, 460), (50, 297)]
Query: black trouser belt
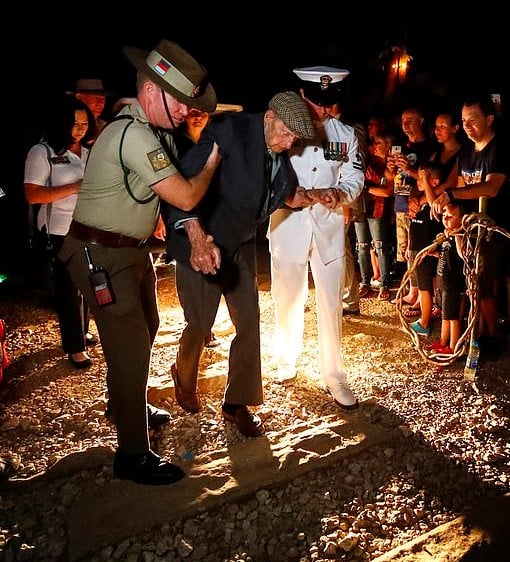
[(104, 237)]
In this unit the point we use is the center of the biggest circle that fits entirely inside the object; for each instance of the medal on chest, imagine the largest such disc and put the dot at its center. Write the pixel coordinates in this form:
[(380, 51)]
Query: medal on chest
[(335, 151)]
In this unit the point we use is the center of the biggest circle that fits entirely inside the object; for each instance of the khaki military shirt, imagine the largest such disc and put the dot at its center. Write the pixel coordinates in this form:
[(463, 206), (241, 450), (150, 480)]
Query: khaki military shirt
[(103, 200)]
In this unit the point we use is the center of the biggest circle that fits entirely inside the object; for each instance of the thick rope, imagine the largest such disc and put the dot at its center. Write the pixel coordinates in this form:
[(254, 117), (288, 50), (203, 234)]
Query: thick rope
[(475, 227)]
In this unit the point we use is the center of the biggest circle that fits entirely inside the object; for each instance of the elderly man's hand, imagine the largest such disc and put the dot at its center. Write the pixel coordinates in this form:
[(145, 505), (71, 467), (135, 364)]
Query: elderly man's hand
[(205, 256), (330, 197), (300, 199)]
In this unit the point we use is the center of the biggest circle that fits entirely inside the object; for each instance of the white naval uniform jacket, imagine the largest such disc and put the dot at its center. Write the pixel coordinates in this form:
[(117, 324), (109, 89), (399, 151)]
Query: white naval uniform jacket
[(291, 231)]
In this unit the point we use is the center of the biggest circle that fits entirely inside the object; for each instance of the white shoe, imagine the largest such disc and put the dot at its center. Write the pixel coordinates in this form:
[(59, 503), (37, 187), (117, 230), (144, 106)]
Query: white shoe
[(285, 373), (343, 396)]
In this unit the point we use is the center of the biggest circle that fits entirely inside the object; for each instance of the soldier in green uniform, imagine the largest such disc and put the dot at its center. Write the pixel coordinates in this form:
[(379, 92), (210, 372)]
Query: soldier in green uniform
[(130, 168)]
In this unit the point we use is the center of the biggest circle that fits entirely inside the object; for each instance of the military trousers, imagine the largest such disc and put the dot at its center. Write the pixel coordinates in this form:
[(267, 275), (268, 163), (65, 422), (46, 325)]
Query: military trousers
[(127, 329)]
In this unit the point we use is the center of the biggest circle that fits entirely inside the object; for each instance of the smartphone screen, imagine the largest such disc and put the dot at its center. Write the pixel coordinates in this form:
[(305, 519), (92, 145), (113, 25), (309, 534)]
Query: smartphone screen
[(395, 149)]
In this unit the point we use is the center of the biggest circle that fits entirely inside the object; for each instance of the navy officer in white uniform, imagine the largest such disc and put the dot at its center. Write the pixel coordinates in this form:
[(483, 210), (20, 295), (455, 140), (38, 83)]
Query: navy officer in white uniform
[(313, 236)]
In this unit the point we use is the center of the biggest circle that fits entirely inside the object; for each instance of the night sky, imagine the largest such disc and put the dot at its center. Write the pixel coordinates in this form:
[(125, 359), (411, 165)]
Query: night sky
[(251, 56)]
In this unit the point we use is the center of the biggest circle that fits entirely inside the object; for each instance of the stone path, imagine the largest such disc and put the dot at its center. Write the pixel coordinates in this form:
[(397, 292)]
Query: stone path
[(211, 481), (118, 510)]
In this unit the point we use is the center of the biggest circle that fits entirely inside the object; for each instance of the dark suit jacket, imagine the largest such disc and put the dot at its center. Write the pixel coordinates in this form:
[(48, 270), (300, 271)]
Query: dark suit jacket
[(229, 209)]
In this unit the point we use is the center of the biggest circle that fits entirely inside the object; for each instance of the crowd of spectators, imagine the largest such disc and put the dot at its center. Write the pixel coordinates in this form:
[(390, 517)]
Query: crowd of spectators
[(380, 243)]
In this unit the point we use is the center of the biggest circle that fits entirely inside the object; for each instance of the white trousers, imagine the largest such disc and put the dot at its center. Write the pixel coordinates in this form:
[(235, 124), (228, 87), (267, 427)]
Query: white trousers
[(289, 290)]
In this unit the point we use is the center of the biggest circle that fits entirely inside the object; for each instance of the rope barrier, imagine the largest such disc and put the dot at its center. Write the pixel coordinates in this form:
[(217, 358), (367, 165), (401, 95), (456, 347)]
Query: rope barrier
[(474, 229)]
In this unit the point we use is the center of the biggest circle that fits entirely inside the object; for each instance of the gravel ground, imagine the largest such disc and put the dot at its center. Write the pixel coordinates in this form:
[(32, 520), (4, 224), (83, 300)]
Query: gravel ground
[(454, 453)]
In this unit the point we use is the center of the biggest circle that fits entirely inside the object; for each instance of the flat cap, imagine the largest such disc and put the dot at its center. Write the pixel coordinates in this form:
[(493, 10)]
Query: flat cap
[(292, 110)]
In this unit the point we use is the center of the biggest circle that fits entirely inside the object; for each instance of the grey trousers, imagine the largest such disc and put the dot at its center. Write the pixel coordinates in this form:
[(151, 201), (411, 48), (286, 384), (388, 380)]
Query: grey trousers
[(350, 297), (200, 296)]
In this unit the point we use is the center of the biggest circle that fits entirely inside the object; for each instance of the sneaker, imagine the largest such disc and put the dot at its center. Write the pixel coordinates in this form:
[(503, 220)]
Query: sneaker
[(343, 396), (375, 283), (419, 329), (160, 260), (412, 312)]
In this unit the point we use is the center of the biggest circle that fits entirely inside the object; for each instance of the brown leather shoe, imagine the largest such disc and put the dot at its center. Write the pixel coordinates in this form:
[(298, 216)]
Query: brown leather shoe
[(247, 423), (188, 401)]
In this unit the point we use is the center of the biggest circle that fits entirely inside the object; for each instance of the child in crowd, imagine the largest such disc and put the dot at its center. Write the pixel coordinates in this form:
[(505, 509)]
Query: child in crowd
[(422, 232), (451, 282)]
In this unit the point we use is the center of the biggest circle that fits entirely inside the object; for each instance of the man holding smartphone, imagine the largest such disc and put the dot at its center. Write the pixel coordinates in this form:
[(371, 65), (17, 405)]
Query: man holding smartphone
[(403, 166)]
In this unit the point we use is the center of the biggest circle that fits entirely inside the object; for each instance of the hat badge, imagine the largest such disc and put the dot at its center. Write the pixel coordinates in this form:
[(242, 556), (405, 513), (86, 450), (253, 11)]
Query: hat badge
[(196, 92), (325, 81)]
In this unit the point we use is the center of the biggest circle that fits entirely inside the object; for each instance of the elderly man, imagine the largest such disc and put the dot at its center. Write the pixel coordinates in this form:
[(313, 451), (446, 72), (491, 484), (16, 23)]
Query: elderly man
[(130, 168), (253, 179), (314, 236)]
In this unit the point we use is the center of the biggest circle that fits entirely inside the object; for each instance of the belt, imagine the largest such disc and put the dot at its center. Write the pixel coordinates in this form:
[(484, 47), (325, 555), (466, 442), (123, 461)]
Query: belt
[(104, 237)]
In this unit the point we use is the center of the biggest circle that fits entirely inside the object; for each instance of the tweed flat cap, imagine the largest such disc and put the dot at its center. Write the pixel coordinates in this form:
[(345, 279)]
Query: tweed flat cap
[(292, 110)]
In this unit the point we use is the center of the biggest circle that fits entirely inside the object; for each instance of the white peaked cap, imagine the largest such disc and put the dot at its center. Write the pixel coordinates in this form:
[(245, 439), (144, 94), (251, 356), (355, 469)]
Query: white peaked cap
[(315, 73)]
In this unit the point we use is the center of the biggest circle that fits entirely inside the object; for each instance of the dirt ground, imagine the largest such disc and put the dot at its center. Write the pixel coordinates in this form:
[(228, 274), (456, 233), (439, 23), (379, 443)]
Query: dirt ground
[(44, 400)]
